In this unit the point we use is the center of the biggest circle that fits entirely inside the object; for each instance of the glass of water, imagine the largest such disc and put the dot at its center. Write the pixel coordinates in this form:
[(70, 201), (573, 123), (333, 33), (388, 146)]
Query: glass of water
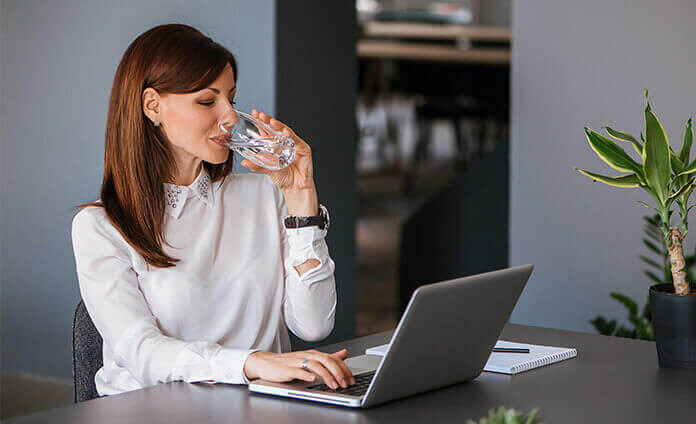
[(255, 140)]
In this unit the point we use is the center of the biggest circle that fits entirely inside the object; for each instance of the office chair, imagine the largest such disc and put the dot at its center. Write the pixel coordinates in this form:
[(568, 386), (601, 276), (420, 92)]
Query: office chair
[(452, 218), (87, 355)]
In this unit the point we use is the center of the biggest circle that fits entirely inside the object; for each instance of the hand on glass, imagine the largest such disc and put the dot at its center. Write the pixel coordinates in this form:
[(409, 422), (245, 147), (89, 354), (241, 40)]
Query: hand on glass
[(283, 367), (299, 175)]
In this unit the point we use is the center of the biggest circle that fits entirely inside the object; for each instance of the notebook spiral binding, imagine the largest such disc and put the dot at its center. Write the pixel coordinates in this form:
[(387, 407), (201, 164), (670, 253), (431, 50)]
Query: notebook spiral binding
[(557, 357)]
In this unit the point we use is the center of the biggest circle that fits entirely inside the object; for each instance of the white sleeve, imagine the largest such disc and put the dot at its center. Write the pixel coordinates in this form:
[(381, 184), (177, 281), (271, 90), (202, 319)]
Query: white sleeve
[(110, 291), (309, 306)]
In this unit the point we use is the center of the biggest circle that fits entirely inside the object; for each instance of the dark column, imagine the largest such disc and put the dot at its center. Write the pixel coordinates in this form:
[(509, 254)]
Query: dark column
[(316, 92)]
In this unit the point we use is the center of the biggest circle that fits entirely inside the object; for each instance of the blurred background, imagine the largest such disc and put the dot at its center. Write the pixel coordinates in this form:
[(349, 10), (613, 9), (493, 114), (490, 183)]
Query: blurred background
[(444, 135)]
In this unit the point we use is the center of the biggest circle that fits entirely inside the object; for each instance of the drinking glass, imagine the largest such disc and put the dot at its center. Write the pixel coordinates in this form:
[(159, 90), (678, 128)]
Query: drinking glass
[(255, 140)]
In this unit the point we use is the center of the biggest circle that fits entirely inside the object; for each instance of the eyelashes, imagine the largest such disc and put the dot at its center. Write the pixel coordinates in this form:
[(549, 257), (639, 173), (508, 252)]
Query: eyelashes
[(210, 103)]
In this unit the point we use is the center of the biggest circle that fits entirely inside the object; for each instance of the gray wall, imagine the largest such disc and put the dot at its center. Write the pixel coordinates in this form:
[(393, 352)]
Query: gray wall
[(578, 63), (57, 61), (495, 12)]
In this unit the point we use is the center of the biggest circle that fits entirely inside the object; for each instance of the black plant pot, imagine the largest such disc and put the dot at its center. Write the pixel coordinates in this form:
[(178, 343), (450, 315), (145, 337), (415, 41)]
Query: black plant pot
[(674, 322)]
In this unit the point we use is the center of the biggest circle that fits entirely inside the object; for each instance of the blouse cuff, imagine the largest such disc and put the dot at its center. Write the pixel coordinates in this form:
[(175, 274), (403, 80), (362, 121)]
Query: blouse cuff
[(228, 365), (305, 243)]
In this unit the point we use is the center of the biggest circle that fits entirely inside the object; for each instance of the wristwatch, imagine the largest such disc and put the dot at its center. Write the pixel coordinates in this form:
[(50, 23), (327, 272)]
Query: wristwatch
[(322, 220)]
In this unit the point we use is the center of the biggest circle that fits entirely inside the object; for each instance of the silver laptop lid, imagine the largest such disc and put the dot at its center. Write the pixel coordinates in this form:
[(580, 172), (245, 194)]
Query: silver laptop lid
[(446, 334)]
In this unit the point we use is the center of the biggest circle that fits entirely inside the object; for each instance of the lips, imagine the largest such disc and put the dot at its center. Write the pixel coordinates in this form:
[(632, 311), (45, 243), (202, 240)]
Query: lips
[(220, 141)]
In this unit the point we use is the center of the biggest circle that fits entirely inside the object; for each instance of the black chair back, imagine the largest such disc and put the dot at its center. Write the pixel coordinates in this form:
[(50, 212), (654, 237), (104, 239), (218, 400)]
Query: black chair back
[(87, 355), (460, 231)]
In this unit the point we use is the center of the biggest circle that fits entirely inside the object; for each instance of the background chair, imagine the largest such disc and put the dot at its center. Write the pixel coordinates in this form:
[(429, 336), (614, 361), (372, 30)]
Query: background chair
[(460, 231), (87, 355)]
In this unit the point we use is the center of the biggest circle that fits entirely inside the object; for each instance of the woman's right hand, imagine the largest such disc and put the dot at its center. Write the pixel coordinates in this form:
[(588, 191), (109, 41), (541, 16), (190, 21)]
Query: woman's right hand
[(283, 367)]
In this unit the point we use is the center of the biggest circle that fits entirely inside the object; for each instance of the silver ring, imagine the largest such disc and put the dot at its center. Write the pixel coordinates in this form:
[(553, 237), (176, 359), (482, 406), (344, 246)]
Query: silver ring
[(304, 365)]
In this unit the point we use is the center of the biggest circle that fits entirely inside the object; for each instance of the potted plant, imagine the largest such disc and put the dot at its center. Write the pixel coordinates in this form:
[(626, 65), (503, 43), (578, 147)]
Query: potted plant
[(660, 271), (509, 416), (668, 178)]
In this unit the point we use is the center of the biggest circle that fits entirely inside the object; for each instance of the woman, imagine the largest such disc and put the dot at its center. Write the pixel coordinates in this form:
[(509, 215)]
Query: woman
[(188, 272)]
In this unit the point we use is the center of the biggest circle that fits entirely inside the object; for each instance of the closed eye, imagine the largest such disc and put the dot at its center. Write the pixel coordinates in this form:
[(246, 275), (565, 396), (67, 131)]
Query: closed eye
[(210, 103)]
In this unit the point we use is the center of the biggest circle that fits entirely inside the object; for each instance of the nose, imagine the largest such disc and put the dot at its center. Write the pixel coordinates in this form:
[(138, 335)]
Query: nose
[(227, 121)]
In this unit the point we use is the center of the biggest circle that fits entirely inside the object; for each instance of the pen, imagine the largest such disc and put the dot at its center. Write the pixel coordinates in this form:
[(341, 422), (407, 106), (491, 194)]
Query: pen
[(511, 349)]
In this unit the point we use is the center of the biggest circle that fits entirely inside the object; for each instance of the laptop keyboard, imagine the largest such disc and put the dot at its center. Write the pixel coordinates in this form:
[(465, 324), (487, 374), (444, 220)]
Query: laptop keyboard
[(362, 382)]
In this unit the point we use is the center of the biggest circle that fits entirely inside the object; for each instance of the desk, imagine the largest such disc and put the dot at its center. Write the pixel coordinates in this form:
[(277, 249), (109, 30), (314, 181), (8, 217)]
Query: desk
[(612, 380)]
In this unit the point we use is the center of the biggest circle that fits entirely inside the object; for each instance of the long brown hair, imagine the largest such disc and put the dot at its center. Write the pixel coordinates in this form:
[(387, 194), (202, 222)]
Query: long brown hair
[(138, 158)]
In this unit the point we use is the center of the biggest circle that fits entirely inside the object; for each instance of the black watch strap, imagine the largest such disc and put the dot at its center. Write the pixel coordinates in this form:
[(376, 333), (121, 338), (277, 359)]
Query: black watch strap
[(320, 220)]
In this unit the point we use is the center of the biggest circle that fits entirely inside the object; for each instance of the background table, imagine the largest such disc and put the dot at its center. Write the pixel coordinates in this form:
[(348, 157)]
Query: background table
[(612, 380)]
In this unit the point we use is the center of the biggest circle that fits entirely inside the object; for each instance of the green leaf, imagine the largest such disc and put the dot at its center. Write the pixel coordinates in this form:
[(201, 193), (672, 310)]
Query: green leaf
[(625, 332), (612, 154), (603, 327), (651, 229), (651, 192), (653, 220), (657, 156), (629, 303), (658, 237), (650, 262), (624, 136), (624, 181), (653, 278), (644, 328), (677, 165), (652, 247), (685, 150), (680, 182), (642, 203), (504, 415), (688, 186), (532, 418), (689, 169), (646, 309)]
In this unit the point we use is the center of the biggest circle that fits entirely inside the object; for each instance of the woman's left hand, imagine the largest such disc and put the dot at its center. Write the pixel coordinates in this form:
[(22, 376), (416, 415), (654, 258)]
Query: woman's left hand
[(299, 175), (296, 181)]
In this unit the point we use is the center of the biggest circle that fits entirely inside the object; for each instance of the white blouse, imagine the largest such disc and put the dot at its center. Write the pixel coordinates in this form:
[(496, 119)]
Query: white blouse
[(235, 290)]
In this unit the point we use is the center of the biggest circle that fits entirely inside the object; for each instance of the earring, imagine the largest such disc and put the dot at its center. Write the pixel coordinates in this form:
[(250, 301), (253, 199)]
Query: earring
[(157, 123)]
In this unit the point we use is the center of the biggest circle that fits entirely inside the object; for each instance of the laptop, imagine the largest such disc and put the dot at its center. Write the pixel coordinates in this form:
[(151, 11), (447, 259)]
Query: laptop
[(445, 337)]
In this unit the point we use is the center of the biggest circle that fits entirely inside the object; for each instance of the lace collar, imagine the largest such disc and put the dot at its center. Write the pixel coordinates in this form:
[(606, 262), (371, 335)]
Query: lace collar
[(176, 195)]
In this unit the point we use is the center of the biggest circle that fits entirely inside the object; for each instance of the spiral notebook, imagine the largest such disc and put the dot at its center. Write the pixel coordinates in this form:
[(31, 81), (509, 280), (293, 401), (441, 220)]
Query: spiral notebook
[(512, 363)]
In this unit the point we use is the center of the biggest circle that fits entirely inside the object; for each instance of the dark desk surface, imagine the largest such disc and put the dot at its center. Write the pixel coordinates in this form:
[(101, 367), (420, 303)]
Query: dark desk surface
[(612, 380)]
